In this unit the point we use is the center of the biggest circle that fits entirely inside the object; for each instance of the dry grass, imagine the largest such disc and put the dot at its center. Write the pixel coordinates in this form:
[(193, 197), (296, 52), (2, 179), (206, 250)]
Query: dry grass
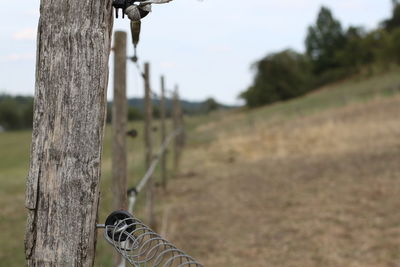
[(278, 186), (354, 128), (321, 190)]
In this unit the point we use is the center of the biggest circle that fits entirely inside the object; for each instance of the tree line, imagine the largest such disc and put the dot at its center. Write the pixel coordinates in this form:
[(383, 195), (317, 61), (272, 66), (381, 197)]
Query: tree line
[(332, 53), (16, 112)]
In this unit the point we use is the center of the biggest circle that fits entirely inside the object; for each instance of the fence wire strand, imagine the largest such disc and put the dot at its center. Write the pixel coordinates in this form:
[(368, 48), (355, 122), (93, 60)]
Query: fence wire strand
[(142, 247)]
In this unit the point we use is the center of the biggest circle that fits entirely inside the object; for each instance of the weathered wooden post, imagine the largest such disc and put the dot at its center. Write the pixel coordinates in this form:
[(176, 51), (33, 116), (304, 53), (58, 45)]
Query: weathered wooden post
[(175, 126), (181, 123), (148, 145), (119, 121), (163, 134), (69, 116)]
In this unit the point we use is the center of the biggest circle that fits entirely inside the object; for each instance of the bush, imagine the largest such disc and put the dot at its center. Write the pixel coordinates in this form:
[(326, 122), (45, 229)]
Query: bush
[(279, 76)]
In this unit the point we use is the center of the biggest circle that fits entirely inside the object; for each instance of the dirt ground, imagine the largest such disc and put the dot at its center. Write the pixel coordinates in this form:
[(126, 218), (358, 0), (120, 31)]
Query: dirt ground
[(318, 190)]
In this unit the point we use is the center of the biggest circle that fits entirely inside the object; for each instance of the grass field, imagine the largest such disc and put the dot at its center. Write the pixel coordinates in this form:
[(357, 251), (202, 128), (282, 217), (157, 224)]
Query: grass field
[(14, 163), (310, 182)]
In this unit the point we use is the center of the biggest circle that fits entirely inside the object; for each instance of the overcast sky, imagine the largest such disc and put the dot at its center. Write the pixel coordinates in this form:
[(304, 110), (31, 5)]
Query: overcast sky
[(207, 47)]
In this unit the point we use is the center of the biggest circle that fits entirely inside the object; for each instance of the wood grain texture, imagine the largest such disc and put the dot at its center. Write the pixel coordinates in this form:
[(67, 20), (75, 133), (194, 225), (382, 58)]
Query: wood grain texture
[(69, 116)]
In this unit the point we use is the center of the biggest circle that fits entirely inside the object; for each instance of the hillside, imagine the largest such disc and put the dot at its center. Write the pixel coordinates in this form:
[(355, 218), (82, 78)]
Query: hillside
[(309, 182)]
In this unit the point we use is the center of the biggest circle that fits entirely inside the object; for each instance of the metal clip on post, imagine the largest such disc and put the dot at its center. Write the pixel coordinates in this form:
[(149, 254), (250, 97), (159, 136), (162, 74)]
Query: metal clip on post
[(135, 11), (140, 246)]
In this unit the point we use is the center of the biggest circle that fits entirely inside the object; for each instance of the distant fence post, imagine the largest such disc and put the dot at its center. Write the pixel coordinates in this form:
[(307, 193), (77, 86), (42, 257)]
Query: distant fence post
[(181, 123), (163, 134), (175, 126), (62, 194), (148, 145)]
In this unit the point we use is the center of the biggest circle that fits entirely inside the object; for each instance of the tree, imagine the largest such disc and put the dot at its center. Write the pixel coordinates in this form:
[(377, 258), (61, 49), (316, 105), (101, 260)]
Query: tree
[(16, 112), (10, 118), (332, 54), (394, 22), (279, 76), (395, 45), (27, 115), (353, 54), (69, 116), (134, 114), (211, 105), (324, 40)]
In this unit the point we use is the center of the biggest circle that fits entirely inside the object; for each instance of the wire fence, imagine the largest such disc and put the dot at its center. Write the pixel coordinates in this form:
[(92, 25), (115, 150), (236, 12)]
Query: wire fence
[(133, 192), (133, 240), (141, 246), (136, 242)]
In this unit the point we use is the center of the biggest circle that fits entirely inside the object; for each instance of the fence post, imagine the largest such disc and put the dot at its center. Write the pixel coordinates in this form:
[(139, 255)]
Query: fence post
[(148, 145), (175, 123), (163, 134), (69, 117), (181, 123), (119, 121)]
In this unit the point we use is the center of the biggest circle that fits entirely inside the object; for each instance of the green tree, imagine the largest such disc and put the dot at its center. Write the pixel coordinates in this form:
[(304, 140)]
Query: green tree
[(27, 114), (10, 117), (324, 40), (394, 22), (134, 114), (210, 104), (279, 76), (353, 55), (395, 45)]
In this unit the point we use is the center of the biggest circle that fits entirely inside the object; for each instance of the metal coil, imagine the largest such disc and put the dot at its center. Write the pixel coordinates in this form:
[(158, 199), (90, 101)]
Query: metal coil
[(140, 245)]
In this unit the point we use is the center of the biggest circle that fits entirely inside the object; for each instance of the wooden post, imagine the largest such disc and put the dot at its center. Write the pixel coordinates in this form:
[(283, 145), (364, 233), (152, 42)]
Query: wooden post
[(119, 121), (175, 126), (148, 145), (163, 134), (69, 117), (181, 123)]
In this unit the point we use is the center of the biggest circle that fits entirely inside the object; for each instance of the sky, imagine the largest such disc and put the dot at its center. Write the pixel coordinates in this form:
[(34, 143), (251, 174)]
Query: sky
[(205, 47)]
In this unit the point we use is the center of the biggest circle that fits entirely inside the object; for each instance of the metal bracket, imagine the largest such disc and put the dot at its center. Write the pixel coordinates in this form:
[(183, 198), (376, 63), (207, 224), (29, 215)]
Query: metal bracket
[(144, 6), (121, 4)]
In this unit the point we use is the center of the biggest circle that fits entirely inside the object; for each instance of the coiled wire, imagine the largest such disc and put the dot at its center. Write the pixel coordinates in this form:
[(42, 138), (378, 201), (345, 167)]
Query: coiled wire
[(141, 246)]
